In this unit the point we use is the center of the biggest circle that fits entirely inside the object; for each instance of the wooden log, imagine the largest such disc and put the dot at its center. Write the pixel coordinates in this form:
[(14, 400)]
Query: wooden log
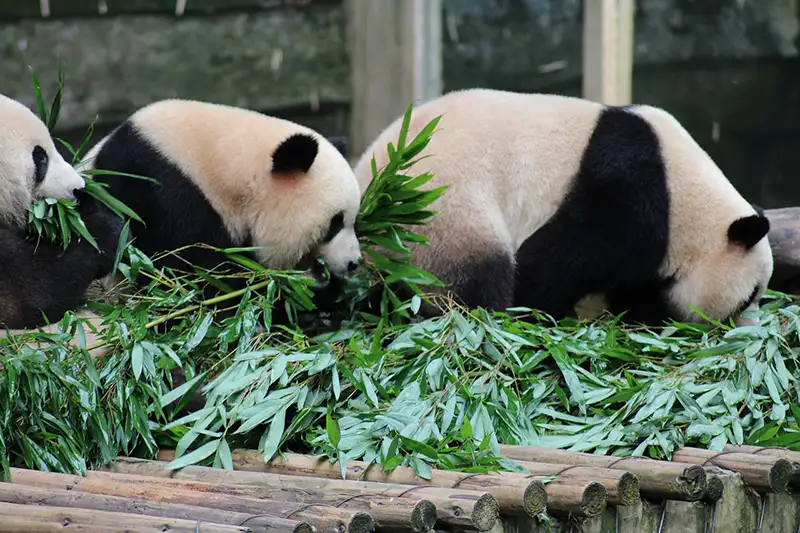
[(760, 472), (790, 455), (415, 514), (658, 480), (24, 495), (34, 525), (77, 518), (622, 486), (325, 519), (456, 508), (516, 493)]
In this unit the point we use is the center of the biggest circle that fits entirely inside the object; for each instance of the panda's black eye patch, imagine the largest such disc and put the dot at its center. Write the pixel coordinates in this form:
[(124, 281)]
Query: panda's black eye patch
[(337, 223), (40, 162)]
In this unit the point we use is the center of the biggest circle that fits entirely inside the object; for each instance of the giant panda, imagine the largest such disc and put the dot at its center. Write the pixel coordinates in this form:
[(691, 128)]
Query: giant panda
[(230, 177), (555, 199), (40, 281)]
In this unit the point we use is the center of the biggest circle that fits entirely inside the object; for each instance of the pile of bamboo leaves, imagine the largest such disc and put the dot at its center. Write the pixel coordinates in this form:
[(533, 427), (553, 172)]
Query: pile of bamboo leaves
[(382, 384)]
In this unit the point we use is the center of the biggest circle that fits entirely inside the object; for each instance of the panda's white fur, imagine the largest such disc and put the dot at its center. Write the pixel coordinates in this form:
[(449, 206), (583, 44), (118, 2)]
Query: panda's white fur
[(265, 182), (20, 132), (39, 278), (551, 196)]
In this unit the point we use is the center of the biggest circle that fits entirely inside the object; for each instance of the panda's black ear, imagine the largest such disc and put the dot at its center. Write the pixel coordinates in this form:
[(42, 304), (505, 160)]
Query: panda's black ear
[(295, 154), (747, 231)]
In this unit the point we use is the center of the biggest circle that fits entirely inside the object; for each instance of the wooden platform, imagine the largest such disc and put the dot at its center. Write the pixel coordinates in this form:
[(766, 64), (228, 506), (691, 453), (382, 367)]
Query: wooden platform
[(737, 490)]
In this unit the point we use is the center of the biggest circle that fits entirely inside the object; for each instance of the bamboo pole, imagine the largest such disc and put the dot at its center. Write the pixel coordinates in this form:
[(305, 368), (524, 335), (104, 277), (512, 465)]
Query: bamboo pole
[(415, 514), (792, 456), (325, 519), (77, 518), (516, 493), (658, 480), (456, 508), (20, 494), (622, 485), (760, 472)]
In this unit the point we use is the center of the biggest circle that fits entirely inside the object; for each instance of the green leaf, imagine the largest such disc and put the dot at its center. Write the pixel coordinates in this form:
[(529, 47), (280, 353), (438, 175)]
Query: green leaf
[(196, 456), (332, 427)]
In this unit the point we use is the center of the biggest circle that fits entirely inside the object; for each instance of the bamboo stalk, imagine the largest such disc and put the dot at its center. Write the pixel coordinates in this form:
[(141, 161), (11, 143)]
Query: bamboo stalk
[(325, 519), (760, 472), (622, 485), (658, 480), (517, 494), (456, 508), (20, 494), (77, 518)]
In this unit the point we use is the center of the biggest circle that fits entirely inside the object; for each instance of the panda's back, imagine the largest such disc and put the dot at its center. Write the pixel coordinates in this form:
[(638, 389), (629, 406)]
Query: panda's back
[(509, 156)]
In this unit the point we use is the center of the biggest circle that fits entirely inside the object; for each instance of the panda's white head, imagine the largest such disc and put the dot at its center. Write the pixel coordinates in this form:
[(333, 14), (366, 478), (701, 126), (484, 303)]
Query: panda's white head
[(320, 204), (30, 166), (719, 258), (729, 279)]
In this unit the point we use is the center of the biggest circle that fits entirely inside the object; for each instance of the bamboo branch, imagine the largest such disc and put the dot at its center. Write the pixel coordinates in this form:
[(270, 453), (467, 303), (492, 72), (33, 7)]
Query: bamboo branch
[(78, 518), (760, 472), (658, 480), (325, 519), (456, 508), (517, 494), (20, 494)]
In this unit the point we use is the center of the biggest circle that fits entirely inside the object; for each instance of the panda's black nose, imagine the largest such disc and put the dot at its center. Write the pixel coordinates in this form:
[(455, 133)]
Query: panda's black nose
[(352, 266)]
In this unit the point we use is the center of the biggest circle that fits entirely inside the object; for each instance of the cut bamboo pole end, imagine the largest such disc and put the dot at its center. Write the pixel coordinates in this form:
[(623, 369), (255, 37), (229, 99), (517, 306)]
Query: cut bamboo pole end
[(714, 489), (582, 499), (622, 486), (764, 473), (786, 453)]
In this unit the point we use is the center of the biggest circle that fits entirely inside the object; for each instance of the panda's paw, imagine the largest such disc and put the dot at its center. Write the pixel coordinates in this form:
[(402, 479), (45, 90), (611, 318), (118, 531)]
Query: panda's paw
[(105, 226)]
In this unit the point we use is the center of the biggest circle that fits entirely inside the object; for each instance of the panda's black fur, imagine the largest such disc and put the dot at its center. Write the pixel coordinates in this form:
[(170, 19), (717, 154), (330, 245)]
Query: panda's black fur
[(40, 281), (164, 203)]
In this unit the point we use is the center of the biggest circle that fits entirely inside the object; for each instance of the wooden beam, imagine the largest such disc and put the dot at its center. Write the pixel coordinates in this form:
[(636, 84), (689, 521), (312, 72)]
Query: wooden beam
[(395, 58), (608, 51)]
